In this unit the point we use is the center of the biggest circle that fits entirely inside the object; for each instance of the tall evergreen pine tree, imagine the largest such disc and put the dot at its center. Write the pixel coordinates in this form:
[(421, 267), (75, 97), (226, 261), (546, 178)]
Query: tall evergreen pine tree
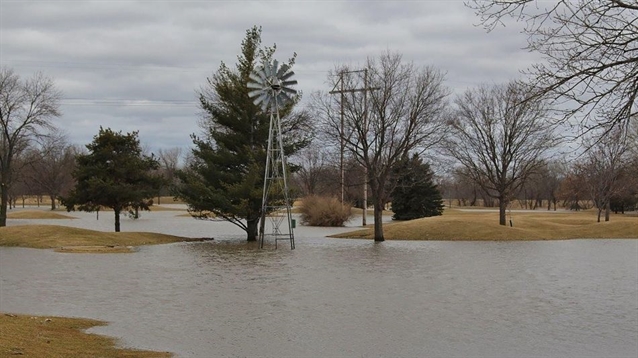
[(225, 178)]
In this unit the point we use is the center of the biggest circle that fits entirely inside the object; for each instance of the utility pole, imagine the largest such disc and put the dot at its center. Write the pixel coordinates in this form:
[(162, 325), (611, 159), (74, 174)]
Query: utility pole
[(365, 167), (342, 91)]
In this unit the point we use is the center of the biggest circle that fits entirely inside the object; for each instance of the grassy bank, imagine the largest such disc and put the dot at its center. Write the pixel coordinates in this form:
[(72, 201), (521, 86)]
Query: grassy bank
[(28, 336), (70, 239), (483, 225), (37, 214)]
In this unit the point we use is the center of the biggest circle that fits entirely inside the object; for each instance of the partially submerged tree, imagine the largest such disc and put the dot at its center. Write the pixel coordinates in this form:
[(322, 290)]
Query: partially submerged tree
[(400, 114), (499, 138), (225, 177), (114, 174), (415, 194), (26, 109), (590, 52)]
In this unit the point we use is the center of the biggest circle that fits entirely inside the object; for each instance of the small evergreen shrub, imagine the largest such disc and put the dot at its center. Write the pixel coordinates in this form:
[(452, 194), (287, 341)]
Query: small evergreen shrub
[(324, 211), (415, 195)]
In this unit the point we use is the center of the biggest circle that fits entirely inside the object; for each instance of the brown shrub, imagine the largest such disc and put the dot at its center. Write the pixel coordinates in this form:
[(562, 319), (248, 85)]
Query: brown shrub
[(324, 211)]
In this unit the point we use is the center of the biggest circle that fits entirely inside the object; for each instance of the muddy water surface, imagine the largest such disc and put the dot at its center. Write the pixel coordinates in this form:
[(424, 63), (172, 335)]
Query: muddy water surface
[(346, 298)]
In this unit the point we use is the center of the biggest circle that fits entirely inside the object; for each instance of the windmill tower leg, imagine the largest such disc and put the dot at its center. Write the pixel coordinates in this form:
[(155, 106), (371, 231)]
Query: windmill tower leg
[(276, 205), (270, 89)]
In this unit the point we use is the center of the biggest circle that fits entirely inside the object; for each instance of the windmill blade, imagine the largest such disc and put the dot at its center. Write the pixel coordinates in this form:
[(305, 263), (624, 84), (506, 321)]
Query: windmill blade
[(266, 99), (288, 83), (287, 75), (289, 91), (266, 104), (263, 75), (254, 93), (283, 98), (267, 70), (275, 66), (255, 77), (255, 85), (259, 99)]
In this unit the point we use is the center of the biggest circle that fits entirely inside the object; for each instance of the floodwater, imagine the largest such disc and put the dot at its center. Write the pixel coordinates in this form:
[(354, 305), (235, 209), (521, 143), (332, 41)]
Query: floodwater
[(338, 298)]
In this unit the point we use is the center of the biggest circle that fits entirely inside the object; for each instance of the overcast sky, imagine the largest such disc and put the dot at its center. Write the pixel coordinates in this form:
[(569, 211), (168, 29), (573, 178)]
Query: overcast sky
[(135, 65)]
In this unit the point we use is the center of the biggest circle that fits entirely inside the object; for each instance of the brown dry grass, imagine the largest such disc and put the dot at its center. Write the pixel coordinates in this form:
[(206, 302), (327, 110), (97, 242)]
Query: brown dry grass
[(71, 239), (482, 225), (26, 336), (45, 200), (37, 214), (370, 211), (162, 208)]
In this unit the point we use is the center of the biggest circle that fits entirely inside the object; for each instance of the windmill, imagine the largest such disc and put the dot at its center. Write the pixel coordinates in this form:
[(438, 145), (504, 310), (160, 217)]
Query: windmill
[(270, 86)]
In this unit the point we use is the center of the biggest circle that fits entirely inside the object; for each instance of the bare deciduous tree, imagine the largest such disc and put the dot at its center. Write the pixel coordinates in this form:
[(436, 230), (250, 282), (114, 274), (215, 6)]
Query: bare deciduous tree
[(499, 139), (403, 114), (603, 166), (572, 192), (169, 160), (589, 48), (316, 175), (543, 185), (26, 108), (50, 165)]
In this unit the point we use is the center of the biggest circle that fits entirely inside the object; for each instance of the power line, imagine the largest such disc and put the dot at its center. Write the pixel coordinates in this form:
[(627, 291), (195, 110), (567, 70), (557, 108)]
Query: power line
[(100, 65), (126, 102)]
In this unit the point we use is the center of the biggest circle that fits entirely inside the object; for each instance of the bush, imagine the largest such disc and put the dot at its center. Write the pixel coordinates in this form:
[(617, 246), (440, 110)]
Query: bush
[(324, 211)]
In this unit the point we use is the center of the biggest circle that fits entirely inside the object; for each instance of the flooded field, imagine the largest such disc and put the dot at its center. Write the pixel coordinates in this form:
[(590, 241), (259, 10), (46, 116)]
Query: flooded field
[(335, 297)]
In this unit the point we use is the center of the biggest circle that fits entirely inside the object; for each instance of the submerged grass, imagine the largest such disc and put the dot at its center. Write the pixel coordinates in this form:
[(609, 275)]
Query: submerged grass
[(28, 336), (70, 239), (483, 225)]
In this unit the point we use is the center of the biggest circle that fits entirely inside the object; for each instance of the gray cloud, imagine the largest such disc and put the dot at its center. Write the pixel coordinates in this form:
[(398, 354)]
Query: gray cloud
[(135, 65)]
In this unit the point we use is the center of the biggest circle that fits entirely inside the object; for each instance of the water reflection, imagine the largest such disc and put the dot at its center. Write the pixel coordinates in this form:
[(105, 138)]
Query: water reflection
[(345, 297)]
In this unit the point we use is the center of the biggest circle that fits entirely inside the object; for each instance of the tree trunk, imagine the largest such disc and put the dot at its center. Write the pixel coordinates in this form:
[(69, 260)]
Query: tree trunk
[(599, 211), (52, 202), (502, 205), (378, 221), (117, 220), (3, 205), (607, 210), (251, 229)]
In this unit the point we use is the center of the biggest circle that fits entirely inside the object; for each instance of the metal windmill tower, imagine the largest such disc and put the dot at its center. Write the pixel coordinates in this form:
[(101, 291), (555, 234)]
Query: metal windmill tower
[(270, 89)]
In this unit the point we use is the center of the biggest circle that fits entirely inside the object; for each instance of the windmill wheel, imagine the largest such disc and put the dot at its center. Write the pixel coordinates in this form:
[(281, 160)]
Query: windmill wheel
[(270, 86)]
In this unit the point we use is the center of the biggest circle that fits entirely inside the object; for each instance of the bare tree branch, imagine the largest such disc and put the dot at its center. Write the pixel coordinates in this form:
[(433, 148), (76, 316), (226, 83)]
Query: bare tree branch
[(401, 113), (590, 54), (499, 138), (26, 108)]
